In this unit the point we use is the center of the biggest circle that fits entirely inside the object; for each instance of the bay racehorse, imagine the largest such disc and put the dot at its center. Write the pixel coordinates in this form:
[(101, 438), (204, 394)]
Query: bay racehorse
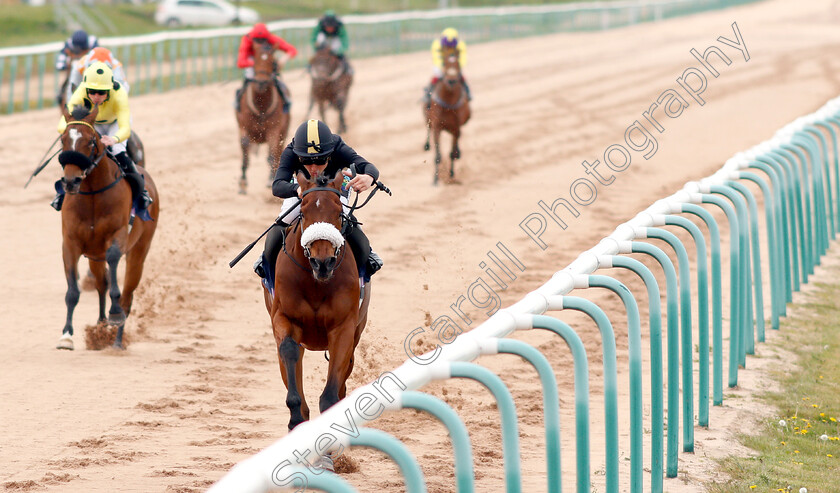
[(95, 222), (448, 111), (331, 83), (261, 116), (315, 304)]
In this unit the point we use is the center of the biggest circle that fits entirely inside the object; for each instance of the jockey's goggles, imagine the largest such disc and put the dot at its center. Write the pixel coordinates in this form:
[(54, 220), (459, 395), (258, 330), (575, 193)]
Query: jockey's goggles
[(314, 160), (97, 92)]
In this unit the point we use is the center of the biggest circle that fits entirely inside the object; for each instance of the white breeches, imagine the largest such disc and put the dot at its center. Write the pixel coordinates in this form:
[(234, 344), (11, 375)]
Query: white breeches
[(437, 73), (334, 42), (111, 129)]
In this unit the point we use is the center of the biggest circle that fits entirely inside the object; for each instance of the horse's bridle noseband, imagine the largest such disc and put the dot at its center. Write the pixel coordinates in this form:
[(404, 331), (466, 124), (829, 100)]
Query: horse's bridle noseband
[(92, 159), (67, 157)]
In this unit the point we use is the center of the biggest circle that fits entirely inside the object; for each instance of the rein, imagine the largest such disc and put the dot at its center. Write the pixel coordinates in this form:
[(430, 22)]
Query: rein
[(94, 163), (106, 187), (272, 107)]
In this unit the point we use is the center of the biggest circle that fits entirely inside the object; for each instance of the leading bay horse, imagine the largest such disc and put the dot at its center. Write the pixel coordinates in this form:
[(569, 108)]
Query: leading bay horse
[(330, 84), (261, 117), (448, 111), (95, 222), (315, 304)]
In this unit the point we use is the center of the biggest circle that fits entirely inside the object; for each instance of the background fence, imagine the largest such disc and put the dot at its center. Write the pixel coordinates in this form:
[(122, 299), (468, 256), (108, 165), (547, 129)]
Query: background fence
[(798, 176), (170, 60)]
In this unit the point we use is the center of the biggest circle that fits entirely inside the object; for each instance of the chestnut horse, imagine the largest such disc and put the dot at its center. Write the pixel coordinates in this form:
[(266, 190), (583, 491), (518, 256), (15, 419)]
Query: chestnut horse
[(95, 222), (449, 110), (261, 117), (330, 84), (315, 304)]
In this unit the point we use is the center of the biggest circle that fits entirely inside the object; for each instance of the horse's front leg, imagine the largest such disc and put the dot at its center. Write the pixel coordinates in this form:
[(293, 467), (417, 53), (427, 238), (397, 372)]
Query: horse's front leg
[(71, 298), (245, 144), (322, 109), (291, 368), (456, 151), (340, 103), (438, 159), (116, 315), (275, 150), (340, 343), (98, 271)]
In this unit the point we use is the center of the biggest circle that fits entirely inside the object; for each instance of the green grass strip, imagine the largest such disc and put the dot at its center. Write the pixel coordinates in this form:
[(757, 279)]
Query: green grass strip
[(800, 446)]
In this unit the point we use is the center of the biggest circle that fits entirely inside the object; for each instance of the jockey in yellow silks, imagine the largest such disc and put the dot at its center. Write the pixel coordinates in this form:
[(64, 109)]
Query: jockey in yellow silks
[(113, 120), (448, 42)]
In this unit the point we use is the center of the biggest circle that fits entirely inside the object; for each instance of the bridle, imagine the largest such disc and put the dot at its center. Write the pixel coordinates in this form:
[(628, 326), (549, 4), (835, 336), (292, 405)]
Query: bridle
[(91, 159), (340, 249)]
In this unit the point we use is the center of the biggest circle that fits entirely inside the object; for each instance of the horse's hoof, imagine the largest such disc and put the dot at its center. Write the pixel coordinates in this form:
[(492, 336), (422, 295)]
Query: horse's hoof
[(242, 191), (118, 347), (116, 319), (65, 342), (324, 462), (426, 146)]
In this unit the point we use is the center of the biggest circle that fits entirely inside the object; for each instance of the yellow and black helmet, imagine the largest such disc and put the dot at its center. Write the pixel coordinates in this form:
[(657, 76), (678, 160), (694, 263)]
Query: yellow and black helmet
[(313, 139), (99, 77)]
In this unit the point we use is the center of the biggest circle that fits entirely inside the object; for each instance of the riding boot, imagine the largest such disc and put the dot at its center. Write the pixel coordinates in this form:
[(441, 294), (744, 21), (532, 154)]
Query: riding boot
[(274, 241), (367, 261), (57, 201), (139, 196), (284, 92), (466, 88)]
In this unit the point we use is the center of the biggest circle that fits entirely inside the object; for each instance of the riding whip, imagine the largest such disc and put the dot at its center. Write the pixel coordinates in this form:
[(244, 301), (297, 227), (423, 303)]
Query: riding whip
[(254, 243), (45, 163)]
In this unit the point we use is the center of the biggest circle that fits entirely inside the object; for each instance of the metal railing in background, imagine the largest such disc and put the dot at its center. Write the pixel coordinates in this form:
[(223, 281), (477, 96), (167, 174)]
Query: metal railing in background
[(798, 175), (171, 60)]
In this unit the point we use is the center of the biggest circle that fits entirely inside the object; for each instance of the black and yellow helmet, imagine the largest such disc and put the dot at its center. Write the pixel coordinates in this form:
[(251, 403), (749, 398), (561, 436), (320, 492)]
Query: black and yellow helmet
[(313, 139)]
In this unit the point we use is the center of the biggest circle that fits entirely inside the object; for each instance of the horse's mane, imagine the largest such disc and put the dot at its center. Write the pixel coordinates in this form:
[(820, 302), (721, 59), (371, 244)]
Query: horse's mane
[(80, 112)]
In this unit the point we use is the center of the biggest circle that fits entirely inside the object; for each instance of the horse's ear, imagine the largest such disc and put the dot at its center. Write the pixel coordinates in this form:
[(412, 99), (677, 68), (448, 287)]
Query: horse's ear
[(91, 118), (338, 179), (66, 113), (303, 179)]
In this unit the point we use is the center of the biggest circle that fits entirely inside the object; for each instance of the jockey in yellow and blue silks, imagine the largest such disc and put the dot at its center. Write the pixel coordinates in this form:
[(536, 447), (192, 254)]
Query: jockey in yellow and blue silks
[(446, 44), (113, 121)]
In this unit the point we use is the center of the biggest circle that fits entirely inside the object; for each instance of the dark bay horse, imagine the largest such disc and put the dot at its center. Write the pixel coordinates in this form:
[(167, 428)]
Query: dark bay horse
[(449, 111), (261, 117), (330, 84), (95, 222), (315, 304)]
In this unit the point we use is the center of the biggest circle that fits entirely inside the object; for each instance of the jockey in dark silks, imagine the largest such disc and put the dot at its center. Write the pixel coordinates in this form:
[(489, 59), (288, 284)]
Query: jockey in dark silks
[(313, 150), (74, 48)]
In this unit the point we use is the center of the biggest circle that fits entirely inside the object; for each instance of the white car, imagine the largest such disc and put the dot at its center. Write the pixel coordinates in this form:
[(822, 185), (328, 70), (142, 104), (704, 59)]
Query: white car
[(174, 13)]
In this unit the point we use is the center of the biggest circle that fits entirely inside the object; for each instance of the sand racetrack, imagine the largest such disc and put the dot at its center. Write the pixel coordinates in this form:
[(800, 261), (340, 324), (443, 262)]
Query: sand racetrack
[(199, 388)]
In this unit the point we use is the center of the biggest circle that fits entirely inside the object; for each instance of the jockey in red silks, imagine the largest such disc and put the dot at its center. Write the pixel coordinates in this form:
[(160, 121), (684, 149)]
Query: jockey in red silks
[(246, 59)]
